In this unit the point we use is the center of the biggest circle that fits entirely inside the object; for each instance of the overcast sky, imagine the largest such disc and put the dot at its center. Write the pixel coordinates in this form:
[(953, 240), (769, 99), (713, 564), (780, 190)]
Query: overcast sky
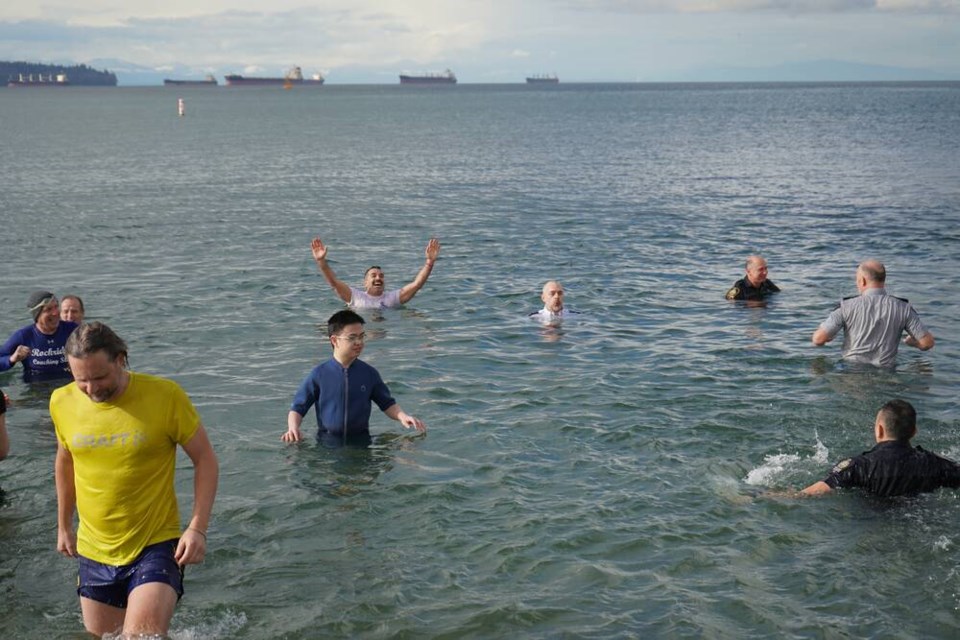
[(484, 40)]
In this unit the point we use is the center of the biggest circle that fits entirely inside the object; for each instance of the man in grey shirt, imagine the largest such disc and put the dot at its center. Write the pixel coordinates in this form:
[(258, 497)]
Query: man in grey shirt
[(873, 321)]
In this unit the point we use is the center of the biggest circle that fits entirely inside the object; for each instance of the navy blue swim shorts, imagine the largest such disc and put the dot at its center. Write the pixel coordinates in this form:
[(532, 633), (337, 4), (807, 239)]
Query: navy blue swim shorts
[(112, 585)]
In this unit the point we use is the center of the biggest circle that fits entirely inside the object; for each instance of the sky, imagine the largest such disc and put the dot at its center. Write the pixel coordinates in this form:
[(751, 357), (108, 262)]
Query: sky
[(354, 41)]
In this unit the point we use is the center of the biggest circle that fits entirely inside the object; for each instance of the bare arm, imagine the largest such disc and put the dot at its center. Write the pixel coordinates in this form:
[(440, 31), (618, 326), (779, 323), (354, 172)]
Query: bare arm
[(66, 502), (410, 290), (394, 412), (193, 541), (293, 433), (320, 255), (816, 489), (924, 344)]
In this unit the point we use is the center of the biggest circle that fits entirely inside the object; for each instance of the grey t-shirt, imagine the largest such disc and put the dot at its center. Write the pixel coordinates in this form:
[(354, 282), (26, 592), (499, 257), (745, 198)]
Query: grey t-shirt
[(872, 324)]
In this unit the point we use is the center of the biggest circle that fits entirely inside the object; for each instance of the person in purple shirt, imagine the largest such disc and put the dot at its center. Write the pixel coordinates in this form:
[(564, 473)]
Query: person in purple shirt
[(342, 389), (39, 346)]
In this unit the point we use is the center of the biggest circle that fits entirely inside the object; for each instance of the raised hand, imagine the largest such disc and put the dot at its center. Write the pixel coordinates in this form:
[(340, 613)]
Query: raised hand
[(433, 249), (319, 251)]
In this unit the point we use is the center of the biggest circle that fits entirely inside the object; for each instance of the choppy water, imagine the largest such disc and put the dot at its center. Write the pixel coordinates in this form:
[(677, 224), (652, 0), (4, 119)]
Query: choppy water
[(594, 482)]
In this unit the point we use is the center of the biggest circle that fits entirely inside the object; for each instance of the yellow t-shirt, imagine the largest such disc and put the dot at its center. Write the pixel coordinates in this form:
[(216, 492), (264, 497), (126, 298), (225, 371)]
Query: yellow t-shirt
[(124, 455)]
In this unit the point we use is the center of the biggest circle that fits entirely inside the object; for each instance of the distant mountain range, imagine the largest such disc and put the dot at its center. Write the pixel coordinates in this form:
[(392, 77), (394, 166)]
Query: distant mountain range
[(813, 71)]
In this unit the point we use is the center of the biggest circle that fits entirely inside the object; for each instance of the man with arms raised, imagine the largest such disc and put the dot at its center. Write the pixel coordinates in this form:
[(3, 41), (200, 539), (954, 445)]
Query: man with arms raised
[(893, 467), (374, 294), (117, 434), (873, 322), (755, 285)]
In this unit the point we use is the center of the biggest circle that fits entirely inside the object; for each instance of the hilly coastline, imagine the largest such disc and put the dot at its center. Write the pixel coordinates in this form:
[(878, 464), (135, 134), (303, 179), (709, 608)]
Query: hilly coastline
[(78, 75)]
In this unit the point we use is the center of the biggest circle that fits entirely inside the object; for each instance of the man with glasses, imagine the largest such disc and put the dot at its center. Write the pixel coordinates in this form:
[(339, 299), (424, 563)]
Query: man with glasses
[(342, 389), (374, 294), (755, 286)]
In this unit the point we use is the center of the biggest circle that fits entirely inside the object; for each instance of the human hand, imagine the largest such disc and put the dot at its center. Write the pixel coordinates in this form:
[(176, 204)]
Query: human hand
[(191, 548), (319, 251), (433, 249), (67, 543), (292, 434), (410, 422), (20, 353)]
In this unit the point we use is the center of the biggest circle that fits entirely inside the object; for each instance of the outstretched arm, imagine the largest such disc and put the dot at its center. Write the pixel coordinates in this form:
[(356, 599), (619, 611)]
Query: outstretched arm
[(193, 541), (320, 255), (410, 290), (394, 412), (816, 489)]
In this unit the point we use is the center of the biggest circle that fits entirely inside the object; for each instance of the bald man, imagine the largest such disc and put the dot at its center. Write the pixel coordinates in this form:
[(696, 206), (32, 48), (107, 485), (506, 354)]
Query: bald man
[(755, 285), (874, 321), (553, 309)]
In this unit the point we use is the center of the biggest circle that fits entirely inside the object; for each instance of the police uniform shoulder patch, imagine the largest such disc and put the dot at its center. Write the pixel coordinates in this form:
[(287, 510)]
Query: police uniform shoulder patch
[(733, 293), (843, 464)]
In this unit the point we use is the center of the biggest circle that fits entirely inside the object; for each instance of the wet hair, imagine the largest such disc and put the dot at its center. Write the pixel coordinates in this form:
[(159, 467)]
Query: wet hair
[(371, 269), (899, 419), (70, 296), (873, 271), (87, 339), (340, 319)]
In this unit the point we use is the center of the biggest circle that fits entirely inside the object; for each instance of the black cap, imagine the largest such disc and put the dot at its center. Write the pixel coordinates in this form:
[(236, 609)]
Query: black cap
[(37, 301)]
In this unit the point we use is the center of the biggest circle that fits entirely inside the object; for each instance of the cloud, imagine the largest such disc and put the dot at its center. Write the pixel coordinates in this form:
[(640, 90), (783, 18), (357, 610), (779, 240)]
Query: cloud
[(519, 53), (308, 35), (787, 7)]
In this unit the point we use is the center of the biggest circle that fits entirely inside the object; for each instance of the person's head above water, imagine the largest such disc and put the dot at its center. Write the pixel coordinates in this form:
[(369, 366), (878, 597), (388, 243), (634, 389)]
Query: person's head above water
[(345, 330), (756, 270), (45, 311), (374, 281), (552, 296), (896, 420), (871, 274), (71, 309)]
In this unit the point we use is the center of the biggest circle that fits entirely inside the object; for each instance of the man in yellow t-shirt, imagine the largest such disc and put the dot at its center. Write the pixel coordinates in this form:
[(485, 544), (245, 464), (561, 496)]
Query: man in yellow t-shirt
[(117, 434)]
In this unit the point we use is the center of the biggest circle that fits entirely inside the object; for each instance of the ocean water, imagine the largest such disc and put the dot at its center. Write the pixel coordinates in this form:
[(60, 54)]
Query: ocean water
[(603, 480)]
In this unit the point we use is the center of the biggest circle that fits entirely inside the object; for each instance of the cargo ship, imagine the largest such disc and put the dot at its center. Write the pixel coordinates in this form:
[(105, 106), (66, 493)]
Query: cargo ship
[(446, 77), (209, 81), (543, 78), (38, 80), (293, 77)]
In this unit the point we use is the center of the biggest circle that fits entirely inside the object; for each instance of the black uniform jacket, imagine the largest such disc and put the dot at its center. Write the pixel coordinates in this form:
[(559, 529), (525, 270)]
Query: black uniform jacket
[(743, 290), (895, 468)]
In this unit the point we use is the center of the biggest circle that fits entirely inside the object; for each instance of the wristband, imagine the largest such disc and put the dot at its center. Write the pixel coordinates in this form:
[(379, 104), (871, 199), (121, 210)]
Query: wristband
[(198, 531)]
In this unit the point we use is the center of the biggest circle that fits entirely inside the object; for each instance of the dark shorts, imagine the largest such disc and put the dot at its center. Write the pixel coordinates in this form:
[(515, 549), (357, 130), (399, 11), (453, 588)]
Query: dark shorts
[(112, 585)]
